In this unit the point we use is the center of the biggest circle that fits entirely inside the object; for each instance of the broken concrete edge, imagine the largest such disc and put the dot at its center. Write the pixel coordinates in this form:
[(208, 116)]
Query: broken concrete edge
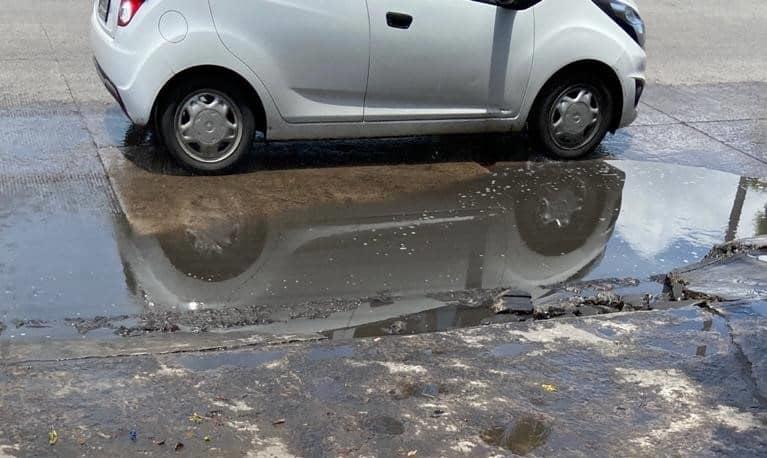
[(190, 326), (634, 378), (16, 353), (745, 245), (721, 252), (707, 281), (20, 353), (239, 318), (565, 300)]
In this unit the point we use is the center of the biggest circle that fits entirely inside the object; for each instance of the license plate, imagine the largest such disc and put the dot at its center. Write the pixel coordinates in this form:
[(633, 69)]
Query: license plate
[(104, 9)]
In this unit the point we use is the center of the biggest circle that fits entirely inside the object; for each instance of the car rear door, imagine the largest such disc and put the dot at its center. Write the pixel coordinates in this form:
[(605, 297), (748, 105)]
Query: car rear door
[(312, 55), (437, 59)]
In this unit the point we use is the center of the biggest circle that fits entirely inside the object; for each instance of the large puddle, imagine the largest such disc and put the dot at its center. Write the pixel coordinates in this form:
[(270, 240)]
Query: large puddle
[(396, 261)]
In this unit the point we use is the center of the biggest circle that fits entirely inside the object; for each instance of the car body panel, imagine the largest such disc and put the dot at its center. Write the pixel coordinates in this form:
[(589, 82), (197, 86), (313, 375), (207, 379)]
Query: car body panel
[(318, 91), (312, 54), (585, 33), (458, 59)]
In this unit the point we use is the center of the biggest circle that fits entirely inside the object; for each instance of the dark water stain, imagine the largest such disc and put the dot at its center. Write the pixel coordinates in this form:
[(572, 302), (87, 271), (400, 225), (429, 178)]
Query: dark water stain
[(328, 353), (511, 349), (520, 437), (407, 389), (329, 390), (244, 359), (384, 425)]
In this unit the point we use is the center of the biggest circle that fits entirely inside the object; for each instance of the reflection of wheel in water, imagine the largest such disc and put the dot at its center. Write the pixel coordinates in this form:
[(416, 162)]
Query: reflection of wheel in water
[(216, 241), (566, 208)]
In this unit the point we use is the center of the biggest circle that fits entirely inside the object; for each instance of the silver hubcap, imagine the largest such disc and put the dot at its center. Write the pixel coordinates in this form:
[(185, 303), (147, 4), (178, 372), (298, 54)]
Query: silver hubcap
[(209, 126), (575, 117)]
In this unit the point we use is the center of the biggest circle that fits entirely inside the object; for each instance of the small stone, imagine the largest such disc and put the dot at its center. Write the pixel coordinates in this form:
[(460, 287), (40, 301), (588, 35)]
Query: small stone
[(512, 304), (53, 437), (549, 388), (398, 327)]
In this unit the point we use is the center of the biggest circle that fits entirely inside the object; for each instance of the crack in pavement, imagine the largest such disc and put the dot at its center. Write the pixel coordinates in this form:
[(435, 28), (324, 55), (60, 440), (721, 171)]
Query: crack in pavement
[(706, 134), (741, 358)]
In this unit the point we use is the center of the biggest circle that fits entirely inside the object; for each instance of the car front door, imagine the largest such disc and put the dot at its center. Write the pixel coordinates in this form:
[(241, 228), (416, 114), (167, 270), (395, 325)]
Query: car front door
[(439, 59), (312, 55)]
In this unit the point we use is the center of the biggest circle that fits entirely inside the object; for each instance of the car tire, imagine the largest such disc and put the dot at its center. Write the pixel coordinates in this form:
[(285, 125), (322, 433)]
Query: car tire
[(572, 115), (207, 127)]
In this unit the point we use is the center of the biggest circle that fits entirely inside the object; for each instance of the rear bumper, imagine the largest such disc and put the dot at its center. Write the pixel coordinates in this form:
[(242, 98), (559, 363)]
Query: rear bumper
[(110, 86), (134, 74)]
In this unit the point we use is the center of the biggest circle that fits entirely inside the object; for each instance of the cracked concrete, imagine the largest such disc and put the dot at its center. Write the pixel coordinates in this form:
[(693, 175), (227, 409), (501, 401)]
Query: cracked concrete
[(625, 383), (685, 381)]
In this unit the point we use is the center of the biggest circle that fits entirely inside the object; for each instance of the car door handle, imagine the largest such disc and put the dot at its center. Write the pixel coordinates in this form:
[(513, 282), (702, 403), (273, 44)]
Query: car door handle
[(399, 20)]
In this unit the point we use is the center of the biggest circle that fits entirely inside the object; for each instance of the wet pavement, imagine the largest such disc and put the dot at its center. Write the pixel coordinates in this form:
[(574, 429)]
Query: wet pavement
[(368, 246), (123, 279), (625, 384), (102, 234)]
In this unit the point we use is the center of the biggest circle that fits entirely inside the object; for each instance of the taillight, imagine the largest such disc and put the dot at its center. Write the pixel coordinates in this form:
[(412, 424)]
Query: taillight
[(128, 9)]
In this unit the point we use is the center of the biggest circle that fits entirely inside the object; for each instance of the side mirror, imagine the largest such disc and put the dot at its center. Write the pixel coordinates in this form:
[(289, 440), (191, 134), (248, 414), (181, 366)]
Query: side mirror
[(511, 4)]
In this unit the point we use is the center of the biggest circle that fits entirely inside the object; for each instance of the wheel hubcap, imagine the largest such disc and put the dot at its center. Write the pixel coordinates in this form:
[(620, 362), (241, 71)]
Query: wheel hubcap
[(575, 117), (209, 126)]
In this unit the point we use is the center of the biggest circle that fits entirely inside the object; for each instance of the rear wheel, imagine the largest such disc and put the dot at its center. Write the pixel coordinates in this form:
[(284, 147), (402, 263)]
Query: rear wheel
[(208, 128), (572, 116)]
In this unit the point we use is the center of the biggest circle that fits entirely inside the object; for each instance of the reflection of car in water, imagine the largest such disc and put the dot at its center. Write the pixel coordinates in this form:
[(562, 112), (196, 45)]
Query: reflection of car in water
[(524, 227)]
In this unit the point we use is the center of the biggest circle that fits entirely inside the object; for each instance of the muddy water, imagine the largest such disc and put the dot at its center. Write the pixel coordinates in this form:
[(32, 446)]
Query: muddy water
[(352, 267)]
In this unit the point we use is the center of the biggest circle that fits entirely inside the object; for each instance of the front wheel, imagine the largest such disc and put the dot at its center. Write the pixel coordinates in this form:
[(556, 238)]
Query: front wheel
[(572, 116), (208, 129)]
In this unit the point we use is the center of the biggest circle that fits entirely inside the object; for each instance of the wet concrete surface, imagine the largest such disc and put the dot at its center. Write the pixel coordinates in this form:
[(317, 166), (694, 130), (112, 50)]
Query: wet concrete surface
[(371, 245), (623, 384), (62, 211), (99, 227), (226, 285)]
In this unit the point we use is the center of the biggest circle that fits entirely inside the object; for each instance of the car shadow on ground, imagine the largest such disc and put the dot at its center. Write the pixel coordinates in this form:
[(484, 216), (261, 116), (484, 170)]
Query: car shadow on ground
[(142, 147)]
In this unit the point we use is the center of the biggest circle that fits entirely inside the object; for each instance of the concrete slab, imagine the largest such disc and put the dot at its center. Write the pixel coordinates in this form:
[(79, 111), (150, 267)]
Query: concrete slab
[(709, 102), (30, 43), (733, 271), (705, 41), (625, 384), (84, 83), (680, 144), (47, 143), (70, 40), (649, 116), (29, 83), (661, 141), (748, 324), (48, 11), (749, 136)]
